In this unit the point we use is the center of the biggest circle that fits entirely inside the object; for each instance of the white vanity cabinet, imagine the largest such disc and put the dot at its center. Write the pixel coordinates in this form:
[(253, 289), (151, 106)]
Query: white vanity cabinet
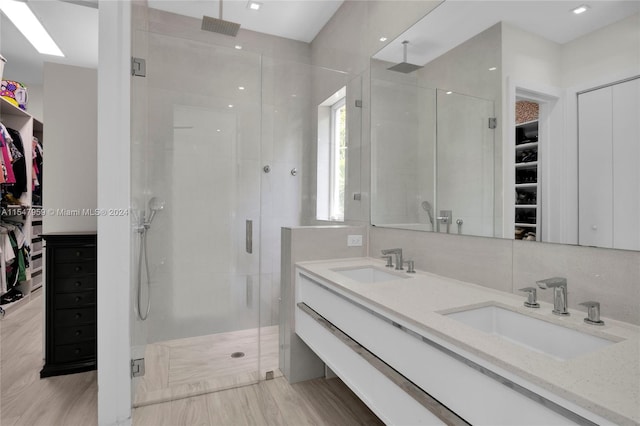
[(467, 387)]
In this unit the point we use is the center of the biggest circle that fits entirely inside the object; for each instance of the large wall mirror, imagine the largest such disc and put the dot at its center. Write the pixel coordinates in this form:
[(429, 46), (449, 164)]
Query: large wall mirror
[(511, 119)]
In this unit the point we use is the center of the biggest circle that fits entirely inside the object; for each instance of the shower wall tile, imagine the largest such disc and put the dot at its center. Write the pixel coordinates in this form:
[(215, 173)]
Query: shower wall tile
[(611, 277), (483, 261)]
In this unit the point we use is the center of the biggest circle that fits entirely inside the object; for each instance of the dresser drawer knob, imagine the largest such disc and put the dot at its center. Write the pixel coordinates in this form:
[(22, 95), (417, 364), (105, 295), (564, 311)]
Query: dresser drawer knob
[(77, 351), (78, 315), (78, 253), (78, 299), (77, 283), (78, 332), (78, 268)]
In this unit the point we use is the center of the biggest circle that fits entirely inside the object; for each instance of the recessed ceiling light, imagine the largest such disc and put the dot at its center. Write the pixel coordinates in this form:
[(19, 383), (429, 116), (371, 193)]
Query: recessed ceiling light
[(24, 19), (493, 68), (383, 39), (240, 87), (580, 9), (254, 5), (230, 106), (217, 130), (238, 47), (449, 92)]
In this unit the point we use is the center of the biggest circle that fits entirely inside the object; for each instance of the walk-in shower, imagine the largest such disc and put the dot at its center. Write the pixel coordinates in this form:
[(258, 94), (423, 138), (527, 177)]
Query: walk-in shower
[(201, 137)]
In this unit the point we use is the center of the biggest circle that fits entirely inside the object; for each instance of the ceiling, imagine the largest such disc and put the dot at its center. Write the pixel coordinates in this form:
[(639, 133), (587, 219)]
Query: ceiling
[(455, 21), (73, 24)]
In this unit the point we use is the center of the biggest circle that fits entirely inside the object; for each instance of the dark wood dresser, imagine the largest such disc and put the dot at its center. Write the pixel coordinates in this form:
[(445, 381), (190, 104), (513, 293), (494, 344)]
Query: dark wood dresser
[(70, 303)]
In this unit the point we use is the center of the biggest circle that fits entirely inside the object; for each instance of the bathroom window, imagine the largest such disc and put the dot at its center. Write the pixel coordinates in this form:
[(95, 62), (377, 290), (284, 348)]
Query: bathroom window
[(332, 157)]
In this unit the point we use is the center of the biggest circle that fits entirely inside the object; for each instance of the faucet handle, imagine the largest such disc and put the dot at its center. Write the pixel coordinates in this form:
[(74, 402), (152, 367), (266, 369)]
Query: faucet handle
[(410, 267), (389, 262), (532, 298), (593, 313)]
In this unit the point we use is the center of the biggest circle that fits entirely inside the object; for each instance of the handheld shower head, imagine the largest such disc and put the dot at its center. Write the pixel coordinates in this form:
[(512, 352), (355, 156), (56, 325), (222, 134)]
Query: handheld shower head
[(155, 205), (426, 206)]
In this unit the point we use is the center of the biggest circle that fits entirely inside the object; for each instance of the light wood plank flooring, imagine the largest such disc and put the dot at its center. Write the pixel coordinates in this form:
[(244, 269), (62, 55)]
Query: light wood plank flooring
[(26, 400)]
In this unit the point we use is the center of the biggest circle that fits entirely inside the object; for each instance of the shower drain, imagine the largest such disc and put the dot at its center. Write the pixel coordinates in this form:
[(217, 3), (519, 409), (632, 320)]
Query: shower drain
[(237, 355)]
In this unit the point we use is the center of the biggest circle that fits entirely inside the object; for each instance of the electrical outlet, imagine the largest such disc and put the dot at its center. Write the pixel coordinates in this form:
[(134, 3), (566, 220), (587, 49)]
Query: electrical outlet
[(354, 241)]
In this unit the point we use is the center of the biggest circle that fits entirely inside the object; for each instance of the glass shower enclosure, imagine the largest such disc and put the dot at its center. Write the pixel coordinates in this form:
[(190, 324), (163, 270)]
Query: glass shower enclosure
[(197, 149), (220, 140)]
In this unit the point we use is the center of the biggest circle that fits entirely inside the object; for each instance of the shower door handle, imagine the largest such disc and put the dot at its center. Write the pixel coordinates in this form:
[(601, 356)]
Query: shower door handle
[(249, 236)]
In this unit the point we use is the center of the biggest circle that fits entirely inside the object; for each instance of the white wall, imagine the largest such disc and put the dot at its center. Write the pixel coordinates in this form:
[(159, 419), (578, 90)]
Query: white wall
[(604, 56), (35, 106), (70, 147), (114, 232)]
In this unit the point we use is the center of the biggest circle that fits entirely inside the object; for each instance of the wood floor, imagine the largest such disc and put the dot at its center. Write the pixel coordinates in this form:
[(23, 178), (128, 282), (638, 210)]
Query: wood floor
[(27, 400)]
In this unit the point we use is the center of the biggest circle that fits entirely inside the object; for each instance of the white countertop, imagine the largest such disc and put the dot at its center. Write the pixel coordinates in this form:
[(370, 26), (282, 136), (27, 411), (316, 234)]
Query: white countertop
[(605, 382)]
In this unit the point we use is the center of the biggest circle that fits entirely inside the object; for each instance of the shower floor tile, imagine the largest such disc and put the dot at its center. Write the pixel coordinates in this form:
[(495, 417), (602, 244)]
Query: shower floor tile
[(198, 365)]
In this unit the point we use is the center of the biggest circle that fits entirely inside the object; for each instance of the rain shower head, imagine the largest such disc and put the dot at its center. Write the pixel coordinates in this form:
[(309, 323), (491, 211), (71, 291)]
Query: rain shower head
[(404, 66), (219, 25)]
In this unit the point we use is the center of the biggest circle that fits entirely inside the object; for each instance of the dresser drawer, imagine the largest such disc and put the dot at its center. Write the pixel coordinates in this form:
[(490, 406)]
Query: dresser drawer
[(81, 333), (75, 351), (78, 316), (71, 300), (66, 285), (73, 254), (75, 269)]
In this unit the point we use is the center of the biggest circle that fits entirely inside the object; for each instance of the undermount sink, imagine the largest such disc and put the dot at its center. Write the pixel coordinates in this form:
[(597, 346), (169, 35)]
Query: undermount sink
[(368, 274), (531, 333)]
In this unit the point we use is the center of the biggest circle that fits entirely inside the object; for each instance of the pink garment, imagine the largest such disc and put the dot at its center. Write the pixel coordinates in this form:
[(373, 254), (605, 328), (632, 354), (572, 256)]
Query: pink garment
[(11, 178)]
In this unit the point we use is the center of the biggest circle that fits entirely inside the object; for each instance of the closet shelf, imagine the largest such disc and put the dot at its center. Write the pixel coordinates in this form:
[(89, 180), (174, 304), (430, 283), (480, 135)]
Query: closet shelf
[(526, 206), (35, 253), (527, 145), (526, 185), (527, 225), (526, 123), (528, 165)]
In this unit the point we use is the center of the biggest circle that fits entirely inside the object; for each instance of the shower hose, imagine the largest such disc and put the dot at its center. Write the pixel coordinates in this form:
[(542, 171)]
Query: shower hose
[(143, 253)]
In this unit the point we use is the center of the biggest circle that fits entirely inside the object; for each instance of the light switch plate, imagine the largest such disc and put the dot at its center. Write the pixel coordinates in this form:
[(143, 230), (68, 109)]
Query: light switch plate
[(354, 241)]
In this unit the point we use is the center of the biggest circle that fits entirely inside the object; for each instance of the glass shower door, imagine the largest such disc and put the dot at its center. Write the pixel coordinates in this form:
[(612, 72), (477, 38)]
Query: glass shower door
[(465, 164), (196, 147)]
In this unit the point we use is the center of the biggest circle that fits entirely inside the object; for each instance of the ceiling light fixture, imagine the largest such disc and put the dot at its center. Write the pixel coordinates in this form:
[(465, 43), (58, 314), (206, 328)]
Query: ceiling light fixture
[(580, 9), (230, 106), (493, 68), (254, 5), (27, 23), (449, 92), (237, 46), (383, 39), (240, 87)]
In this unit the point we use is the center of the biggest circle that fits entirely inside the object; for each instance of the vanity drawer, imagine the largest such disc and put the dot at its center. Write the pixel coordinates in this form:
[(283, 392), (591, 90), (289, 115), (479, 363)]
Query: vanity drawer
[(81, 333), (75, 269), (66, 285), (69, 317), (75, 351), (71, 300), (73, 254)]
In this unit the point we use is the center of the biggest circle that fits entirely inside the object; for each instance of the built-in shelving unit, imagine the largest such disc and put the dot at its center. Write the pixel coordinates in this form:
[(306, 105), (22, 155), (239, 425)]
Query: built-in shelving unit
[(28, 127), (527, 182)]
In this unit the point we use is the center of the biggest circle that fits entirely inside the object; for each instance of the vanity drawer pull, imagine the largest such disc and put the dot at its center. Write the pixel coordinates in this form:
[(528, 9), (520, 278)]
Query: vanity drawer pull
[(78, 332), (77, 268), (78, 315), (78, 284)]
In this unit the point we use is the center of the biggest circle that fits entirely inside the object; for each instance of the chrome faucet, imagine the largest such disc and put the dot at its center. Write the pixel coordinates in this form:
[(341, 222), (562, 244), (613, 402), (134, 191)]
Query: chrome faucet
[(559, 286), (398, 253)]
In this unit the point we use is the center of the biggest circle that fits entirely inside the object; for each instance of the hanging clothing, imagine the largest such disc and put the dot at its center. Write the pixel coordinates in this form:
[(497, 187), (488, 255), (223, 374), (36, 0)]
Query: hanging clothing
[(19, 164)]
